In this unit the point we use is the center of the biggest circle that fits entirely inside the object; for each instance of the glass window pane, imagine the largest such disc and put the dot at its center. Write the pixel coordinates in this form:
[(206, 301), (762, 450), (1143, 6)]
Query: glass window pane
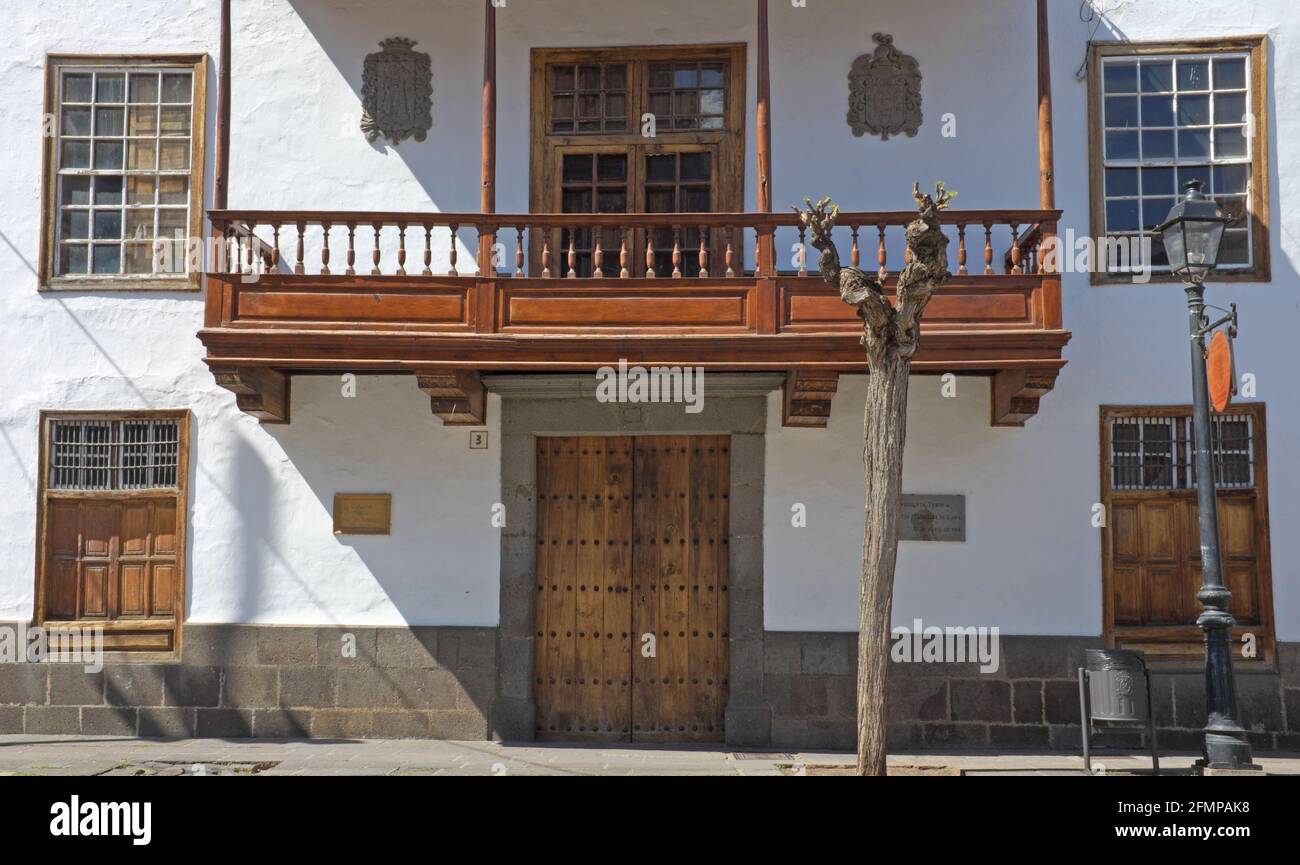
[(712, 122), (144, 87), (77, 87), (175, 120), (1229, 141), (611, 167), (1194, 110), (685, 103), (174, 190), (139, 258), (1121, 215), (1121, 181), (76, 121), (1157, 76), (107, 258), (713, 75), (108, 155), (176, 87), (173, 155), (661, 168), (615, 105), (75, 154), (108, 190), (661, 76), (661, 104), (76, 190), (1188, 173), (1229, 73), (1158, 181), (1235, 248), (1157, 145), (588, 77), (1157, 111), (110, 87), (562, 106), (1231, 179), (1229, 107), (171, 224), (711, 101), (142, 155), (576, 167), (1193, 74), (139, 190), (73, 258), (1155, 211), (696, 199), (1121, 145), (108, 224), (108, 121), (1119, 77), (685, 76), (1234, 208), (616, 77), (1193, 143), (143, 120), (75, 225), (139, 224), (562, 78), (697, 166)]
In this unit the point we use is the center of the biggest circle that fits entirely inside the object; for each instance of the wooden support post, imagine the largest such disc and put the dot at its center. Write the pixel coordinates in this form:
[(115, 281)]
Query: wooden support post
[(260, 391), (488, 200), (457, 396), (222, 157), (1046, 170), (765, 246)]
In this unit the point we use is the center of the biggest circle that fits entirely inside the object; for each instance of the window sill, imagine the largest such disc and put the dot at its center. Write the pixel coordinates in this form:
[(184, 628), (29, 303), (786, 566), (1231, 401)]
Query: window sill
[(121, 283)]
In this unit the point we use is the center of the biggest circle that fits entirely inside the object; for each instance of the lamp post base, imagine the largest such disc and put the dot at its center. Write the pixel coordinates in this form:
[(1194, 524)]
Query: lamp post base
[(1227, 749)]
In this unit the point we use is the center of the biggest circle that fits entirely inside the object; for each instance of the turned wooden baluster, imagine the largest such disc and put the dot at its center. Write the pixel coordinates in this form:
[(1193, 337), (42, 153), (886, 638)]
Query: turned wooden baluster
[(650, 253), (275, 248), (428, 250), (730, 254), (249, 246), (623, 258), (677, 253), (988, 249), (855, 254), (961, 249), (597, 255), (401, 249), (519, 250), (1015, 249), (351, 269), (297, 265), (704, 256), (572, 254), (451, 255), (546, 252), (803, 250), (325, 249), (374, 253), (881, 257)]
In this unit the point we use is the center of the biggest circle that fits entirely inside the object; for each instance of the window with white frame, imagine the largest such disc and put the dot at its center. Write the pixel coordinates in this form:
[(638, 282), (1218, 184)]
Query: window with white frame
[(125, 172), (1166, 119)]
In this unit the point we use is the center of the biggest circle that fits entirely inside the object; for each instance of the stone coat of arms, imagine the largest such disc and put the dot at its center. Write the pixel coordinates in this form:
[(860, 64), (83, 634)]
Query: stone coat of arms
[(885, 91), (397, 92)]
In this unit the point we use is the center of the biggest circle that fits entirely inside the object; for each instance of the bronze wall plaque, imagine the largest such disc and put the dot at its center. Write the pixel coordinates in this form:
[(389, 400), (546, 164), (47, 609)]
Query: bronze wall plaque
[(927, 517), (363, 513), (885, 92)]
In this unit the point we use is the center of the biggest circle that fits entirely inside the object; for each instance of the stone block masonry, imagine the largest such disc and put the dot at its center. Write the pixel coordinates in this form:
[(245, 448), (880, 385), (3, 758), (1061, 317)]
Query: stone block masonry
[(1031, 702), (271, 682)]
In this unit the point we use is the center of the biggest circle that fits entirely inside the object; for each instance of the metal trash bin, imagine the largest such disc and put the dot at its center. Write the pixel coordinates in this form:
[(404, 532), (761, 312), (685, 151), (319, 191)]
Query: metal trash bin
[(1115, 688)]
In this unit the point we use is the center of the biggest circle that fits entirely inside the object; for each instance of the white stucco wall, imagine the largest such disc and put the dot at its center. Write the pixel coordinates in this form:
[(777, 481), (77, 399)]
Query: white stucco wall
[(260, 545)]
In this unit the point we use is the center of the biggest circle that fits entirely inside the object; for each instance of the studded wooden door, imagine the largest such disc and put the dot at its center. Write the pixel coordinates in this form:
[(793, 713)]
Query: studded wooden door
[(632, 567)]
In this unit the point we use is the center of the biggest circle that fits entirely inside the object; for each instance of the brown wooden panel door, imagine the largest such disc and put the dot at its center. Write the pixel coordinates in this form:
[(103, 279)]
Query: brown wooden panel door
[(680, 576), (583, 617), (632, 567)]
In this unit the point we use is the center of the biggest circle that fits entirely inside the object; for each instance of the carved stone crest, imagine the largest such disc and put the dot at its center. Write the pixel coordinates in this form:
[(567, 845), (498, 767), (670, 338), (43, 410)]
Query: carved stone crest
[(397, 92), (885, 91)]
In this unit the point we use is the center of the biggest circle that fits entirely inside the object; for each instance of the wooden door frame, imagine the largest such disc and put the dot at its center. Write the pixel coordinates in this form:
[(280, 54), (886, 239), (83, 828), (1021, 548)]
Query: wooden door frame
[(44, 495), (1257, 411)]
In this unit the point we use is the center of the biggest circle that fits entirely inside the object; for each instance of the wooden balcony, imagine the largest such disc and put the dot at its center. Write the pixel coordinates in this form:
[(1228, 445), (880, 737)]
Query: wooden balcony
[(446, 296)]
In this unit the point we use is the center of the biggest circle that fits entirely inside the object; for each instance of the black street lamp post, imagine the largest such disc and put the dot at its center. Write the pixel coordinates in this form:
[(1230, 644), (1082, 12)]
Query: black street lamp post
[(1191, 238)]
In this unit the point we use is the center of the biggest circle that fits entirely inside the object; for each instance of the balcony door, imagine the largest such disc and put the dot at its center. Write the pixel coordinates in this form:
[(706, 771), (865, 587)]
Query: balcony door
[(636, 130)]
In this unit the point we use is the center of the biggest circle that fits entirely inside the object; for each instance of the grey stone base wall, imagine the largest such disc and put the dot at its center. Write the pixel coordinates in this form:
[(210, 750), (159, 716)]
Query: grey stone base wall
[(273, 682), (1032, 701)]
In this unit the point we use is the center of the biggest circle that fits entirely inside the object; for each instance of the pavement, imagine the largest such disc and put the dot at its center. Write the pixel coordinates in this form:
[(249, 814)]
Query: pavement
[(26, 755)]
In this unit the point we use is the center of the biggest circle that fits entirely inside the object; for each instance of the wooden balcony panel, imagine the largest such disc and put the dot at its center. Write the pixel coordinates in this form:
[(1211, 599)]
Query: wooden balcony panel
[(332, 302), (626, 305)]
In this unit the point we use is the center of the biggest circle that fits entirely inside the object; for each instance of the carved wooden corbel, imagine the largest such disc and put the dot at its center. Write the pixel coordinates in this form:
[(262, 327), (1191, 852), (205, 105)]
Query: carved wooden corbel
[(808, 396), (1015, 394), (456, 396), (259, 391)]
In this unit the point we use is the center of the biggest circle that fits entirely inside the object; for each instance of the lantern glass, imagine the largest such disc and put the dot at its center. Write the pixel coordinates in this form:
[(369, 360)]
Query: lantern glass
[(1192, 235)]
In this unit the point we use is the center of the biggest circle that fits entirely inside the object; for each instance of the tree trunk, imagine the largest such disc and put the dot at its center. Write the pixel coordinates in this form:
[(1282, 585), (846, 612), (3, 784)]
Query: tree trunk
[(884, 431), (891, 334)]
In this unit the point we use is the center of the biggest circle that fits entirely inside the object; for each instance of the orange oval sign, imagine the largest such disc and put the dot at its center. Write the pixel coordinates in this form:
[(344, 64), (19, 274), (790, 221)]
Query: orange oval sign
[(1218, 370)]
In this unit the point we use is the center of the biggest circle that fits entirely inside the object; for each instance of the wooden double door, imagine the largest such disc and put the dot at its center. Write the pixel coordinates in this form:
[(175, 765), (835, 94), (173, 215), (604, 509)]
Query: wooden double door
[(631, 590)]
